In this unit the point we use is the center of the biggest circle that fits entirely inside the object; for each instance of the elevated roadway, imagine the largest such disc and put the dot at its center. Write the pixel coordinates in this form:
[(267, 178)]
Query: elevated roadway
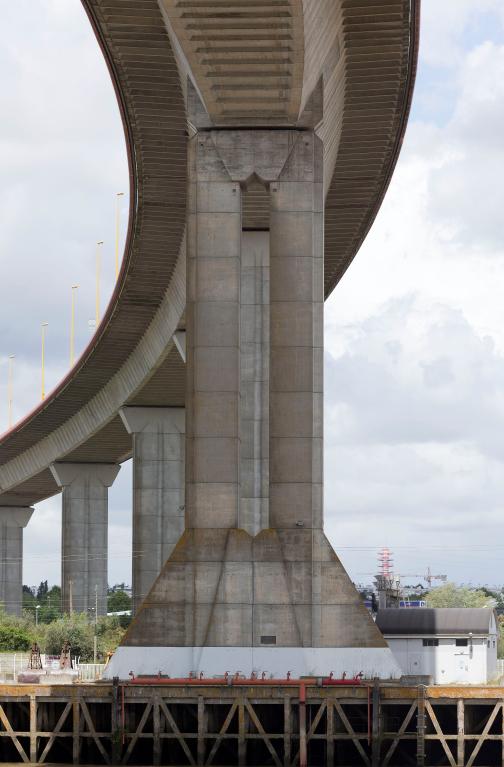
[(365, 53)]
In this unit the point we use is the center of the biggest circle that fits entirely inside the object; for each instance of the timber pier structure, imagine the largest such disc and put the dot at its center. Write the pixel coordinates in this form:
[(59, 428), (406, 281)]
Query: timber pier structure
[(283, 723)]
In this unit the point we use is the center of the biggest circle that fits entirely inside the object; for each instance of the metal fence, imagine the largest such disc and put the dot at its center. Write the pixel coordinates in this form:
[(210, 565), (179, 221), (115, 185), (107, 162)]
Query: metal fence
[(90, 672), (11, 663)]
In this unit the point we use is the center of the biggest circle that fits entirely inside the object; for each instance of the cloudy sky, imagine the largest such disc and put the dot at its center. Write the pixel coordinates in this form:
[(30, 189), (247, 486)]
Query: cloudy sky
[(414, 332)]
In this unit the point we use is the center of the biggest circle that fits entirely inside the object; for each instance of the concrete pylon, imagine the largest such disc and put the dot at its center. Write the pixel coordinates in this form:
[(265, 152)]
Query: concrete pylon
[(13, 519), (84, 539), (158, 490), (253, 584)]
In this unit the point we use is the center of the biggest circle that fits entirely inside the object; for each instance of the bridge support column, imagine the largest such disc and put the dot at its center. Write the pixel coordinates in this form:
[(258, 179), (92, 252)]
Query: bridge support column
[(12, 521), (254, 584), (84, 539), (158, 489)]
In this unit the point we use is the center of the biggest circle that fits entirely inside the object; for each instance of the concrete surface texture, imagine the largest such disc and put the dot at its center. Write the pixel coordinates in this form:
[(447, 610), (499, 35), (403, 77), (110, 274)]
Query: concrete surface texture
[(253, 568), (158, 490), (84, 539), (12, 522)]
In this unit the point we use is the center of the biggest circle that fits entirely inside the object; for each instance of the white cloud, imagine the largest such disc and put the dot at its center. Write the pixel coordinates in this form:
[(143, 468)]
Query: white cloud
[(415, 334)]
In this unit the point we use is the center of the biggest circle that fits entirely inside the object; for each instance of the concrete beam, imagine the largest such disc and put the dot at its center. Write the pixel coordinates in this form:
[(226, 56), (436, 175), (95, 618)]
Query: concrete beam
[(158, 490), (84, 540), (13, 519)]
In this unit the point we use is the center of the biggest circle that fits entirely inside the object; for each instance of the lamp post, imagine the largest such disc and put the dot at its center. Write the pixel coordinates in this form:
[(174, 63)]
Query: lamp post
[(72, 325), (118, 195), (10, 395), (98, 270), (42, 387), (37, 608)]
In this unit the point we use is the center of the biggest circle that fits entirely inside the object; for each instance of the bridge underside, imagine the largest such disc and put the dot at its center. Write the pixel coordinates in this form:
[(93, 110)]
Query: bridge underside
[(261, 138)]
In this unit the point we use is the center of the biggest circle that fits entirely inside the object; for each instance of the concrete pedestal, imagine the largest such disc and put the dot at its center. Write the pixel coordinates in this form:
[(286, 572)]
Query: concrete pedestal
[(158, 490), (84, 540), (13, 520)]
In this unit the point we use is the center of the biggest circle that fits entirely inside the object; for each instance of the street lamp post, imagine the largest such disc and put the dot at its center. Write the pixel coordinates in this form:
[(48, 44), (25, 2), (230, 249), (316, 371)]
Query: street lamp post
[(10, 395), (72, 326), (37, 608), (98, 271), (42, 388), (118, 195)]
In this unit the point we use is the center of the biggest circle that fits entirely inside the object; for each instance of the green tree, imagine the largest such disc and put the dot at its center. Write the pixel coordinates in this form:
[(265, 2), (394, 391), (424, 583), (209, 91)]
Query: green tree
[(500, 641), (450, 595), (74, 629), (42, 591), (118, 601), (16, 634), (14, 638), (110, 632)]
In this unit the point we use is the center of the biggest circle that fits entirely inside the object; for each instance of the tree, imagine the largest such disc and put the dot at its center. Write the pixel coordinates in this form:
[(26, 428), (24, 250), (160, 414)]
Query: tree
[(450, 595), (42, 591), (74, 629), (16, 634), (14, 639), (110, 632), (118, 601)]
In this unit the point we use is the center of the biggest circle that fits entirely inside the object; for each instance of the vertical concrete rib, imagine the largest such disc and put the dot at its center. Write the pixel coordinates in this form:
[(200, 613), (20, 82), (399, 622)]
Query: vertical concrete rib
[(254, 373), (84, 539), (213, 321), (296, 364), (12, 521), (158, 490)]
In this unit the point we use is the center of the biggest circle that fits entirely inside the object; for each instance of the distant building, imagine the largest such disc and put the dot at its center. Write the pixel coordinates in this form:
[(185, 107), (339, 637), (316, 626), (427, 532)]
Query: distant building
[(412, 603), (452, 645)]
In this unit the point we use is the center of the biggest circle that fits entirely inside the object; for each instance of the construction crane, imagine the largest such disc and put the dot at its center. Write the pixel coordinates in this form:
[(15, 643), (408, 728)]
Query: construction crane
[(429, 577)]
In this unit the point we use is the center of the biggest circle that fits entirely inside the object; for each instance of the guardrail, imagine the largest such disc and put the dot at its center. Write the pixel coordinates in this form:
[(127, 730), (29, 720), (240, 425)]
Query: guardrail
[(90, 672)]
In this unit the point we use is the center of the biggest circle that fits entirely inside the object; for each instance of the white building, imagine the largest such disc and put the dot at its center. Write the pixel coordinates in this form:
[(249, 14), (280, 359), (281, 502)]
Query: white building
[(452, 645)]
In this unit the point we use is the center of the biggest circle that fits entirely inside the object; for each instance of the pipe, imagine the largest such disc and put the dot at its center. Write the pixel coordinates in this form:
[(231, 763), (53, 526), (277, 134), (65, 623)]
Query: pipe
[(123, 726), (253, 681), (303, 750), (369, 715)]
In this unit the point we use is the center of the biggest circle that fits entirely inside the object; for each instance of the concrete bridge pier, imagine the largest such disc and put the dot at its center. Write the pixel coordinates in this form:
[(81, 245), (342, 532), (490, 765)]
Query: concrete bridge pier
[(253, 583), (84, 539), (13, 519), (158, 489)]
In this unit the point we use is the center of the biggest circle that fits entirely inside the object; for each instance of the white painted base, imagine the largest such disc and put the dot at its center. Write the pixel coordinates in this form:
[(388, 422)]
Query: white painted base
[(275, 661)]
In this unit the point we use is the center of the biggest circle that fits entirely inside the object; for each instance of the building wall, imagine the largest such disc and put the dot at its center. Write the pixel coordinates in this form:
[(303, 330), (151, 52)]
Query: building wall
[(447, 663)]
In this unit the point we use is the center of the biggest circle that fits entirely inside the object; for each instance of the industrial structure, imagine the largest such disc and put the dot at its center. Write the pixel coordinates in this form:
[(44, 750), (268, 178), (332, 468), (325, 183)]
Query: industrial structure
[(449, 645), (245, 722), (262, 135)]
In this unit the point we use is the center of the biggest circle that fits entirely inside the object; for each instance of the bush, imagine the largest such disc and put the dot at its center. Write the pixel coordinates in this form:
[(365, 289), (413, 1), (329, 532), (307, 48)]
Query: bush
[(450, 595), (79, 633), (110, 632), (14, 638), (74, 629)]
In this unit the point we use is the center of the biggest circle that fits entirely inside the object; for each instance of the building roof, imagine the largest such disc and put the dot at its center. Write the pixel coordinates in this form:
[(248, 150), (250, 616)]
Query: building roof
[(440, 620)]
